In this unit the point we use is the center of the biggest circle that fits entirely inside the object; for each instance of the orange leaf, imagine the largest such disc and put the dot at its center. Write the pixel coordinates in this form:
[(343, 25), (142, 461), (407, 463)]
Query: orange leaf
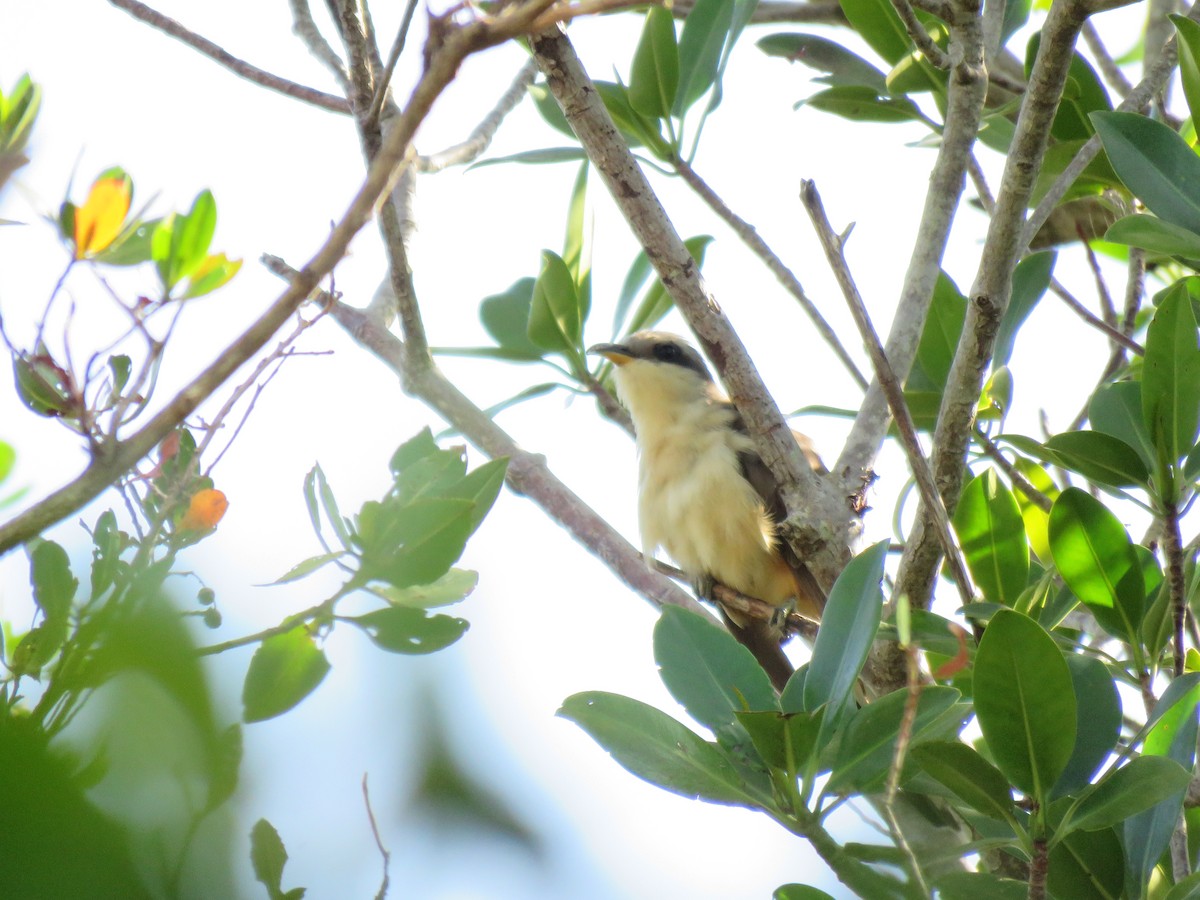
[(204, 511), (100, 219), (952, 667)]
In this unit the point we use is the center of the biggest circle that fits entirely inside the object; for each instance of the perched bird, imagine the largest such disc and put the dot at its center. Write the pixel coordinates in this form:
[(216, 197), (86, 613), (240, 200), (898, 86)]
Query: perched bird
[(704, 495)]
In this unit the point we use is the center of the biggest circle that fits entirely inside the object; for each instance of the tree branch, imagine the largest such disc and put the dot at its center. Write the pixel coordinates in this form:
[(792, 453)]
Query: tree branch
[(751, 238), (169, 26), (964, 109), (116, 458), (306, 29), (991, 292)]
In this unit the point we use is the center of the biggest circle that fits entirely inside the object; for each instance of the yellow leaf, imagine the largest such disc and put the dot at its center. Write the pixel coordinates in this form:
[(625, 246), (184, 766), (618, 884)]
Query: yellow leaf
[(100, 219)]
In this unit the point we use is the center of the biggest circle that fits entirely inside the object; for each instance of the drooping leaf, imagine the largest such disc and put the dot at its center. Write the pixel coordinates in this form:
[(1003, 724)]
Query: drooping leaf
[(284, 670), (1096, 558), (843, 68), (707, 670), (700, 44), (654, 76), (877, 23), (506, 318), (1171, 375), (653, 746), (992, 534), (1097, 722), (1025, 702)]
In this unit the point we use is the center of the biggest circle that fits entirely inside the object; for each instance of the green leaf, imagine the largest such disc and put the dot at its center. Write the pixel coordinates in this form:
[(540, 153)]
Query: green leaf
[(1030, 280), (799, 892), (452, 587), (1082, 94), (848, 628), (1154, 234), (43, 385), (211, 273), (654, 77), (121, 366), (864, 753), (8, 459), (284, 670), (535, 157), (268, 856), (637, 129), (979, 886), (1096, 558), (1171, 375), (992, 534), (656, 302), (972, 778), (1136, 786), (414, 543), (54, 586), (1087, 864), (655, 747), (862, 104), (481, 486), (506, 318), (785, 741), (1185, 889), (400, 629), (107, 542), (308, 566), (700, 44), (1116, 409), (707, 670), (1155, 163), (877, 23), (554, 322), (1100, 457), (843, 68), (192, 235), (1097, 722), (939, 338), (1025, 702), (1189, 61)]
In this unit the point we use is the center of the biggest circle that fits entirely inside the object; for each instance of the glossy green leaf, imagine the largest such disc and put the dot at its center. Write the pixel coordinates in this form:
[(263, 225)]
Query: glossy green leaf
[(939, 338), (1154, 234), (1029, 283), (654, 76), (1155, 163), (785, 741), (506, 318), (1116, 409), (992, 535), (1087, 864), (700, 45), (877, 23), (53, 584), (972, 778), (400, 629), (554, 314), (707, 671), (284, 670), (848, 627), (1171, 375), (864, 754), (842, 68), (655, 747), (1100, 457), (862, 104), (1025, 702), (1185, 889), (1097, 722), (979, 886), (1188, 44), (1096, 558), (1136, 786)]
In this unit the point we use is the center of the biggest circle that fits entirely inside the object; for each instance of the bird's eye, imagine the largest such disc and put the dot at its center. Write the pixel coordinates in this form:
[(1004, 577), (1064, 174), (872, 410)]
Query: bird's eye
[(668, 352)]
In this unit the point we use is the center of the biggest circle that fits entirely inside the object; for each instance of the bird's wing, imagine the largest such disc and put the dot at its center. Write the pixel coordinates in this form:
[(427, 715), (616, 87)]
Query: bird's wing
[(810, 596)]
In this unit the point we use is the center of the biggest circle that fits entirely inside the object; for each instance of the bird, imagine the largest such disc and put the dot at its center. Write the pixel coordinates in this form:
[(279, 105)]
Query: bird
[(704, 494)]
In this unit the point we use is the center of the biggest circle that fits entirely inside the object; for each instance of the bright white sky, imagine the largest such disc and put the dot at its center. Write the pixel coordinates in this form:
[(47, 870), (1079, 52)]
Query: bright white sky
[(547, 620)]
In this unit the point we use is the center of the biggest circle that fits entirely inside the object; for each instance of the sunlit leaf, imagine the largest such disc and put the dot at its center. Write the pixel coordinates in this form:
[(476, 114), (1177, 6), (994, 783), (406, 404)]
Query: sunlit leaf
[(102, 216), (284, 670)]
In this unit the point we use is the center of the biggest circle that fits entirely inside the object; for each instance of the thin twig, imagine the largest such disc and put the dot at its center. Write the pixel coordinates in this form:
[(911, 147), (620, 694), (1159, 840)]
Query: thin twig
[(1108, 66), (903, 737), (481, 137), (387, 857), (169, 26), (752, 239), (893, 390), (385, 81), (1020, 482), (931, 51), (306, 29), (1114, 335)]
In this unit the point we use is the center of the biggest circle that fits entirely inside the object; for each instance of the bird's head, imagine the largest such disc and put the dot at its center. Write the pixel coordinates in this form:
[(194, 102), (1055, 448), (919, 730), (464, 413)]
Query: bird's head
[(656, 369)]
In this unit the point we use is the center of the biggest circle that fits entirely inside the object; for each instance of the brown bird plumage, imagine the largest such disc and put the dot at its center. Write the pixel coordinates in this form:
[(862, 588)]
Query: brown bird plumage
[(704, 495)]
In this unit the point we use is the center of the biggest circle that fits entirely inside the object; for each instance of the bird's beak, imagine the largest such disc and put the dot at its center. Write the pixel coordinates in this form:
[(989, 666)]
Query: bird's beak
[(617, 354)]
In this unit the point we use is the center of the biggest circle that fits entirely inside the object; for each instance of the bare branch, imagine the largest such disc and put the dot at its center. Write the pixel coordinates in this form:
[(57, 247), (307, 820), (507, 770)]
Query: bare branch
[(818, 516), (1020, 482), (990, 293), (169, 26), (967, 91), (478, 141), (1108, 66), (893, 390), (751, 238), (306, 29), (1117, 337), (114, 459), (385, 82)]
